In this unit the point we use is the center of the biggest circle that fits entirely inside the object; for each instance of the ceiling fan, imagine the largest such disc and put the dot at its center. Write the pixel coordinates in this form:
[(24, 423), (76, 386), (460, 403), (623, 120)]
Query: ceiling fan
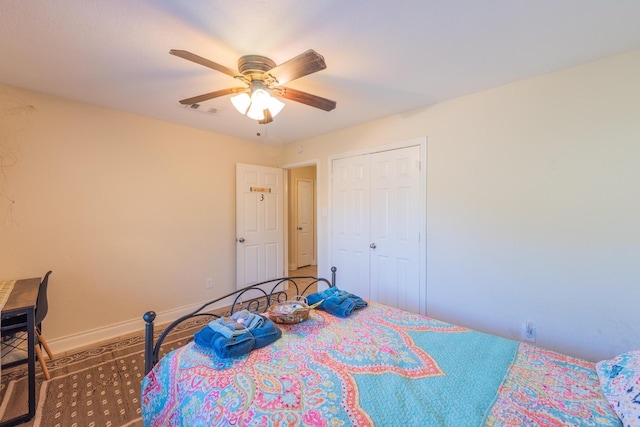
[(264, 82)]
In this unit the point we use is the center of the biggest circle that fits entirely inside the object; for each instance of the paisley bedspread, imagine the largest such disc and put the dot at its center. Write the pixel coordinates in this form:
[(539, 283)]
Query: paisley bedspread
[(381, 366)]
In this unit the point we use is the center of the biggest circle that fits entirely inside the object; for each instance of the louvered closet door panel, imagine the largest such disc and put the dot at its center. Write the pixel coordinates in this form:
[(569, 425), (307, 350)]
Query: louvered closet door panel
[(395, 228), (350, 223)]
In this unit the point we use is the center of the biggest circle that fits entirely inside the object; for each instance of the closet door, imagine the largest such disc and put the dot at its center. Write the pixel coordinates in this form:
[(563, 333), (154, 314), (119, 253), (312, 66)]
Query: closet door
[(376, 219), (395, 228), (350, 223)]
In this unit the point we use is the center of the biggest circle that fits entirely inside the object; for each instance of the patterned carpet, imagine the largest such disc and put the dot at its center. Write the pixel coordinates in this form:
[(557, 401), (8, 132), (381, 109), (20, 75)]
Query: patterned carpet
[(96, 386)]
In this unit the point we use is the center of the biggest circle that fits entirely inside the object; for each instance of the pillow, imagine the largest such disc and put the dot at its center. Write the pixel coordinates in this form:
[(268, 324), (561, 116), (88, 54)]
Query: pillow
[(620, 383)]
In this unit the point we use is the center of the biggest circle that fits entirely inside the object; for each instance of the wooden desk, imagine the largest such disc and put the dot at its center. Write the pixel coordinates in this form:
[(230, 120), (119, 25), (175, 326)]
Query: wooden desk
[(22, 300)]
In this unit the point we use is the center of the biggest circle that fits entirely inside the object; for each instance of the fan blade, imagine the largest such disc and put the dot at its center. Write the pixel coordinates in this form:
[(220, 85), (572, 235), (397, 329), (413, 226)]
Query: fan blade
[(306, 98), (300, 66), (202, 61), (211, 95)]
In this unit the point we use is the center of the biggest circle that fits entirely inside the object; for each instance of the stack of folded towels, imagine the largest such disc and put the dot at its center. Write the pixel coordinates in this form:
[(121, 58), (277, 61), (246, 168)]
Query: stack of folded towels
[(237, 335), (336, 302)]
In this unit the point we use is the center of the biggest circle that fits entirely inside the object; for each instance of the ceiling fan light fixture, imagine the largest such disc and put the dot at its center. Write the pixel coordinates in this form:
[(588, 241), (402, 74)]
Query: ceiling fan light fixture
[(264, 79), (275, 106), (242, 102), (260, 98), (255, 104), (255, 112)]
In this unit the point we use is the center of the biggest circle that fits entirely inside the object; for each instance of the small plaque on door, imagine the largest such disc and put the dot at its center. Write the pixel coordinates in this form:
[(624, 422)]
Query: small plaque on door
[(260, 189)]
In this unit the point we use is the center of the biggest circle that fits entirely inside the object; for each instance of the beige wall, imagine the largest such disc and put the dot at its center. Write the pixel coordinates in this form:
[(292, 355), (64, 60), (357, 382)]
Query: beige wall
[(533, 207), (130, 213), (533, 204)]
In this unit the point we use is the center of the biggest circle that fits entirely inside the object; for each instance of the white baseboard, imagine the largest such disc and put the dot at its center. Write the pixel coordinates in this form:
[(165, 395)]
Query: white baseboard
[(137, 325)]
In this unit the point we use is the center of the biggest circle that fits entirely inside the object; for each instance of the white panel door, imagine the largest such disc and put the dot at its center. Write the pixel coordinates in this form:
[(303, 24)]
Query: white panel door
[(304, 222), (259, 224), (350, 223), (395, 228), (376, 223)]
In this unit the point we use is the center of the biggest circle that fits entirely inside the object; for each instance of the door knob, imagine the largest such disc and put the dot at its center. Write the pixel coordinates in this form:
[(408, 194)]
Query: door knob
[(300, 228), (241, 240), (372, 246)]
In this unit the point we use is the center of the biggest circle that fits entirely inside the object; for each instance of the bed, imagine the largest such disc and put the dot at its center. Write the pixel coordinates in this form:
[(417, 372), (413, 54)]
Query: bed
[(379, 366)]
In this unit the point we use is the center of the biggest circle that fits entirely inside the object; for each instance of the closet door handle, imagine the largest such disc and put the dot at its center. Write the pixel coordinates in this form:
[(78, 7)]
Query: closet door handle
[(373, 246), (241, 240)]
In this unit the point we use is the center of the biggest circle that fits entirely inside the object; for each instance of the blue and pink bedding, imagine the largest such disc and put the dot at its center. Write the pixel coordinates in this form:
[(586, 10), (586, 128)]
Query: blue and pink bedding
[(380, 366)]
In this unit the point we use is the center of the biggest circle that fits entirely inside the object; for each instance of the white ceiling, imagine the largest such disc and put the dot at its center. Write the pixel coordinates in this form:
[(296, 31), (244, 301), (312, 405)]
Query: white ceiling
[(383, 57)]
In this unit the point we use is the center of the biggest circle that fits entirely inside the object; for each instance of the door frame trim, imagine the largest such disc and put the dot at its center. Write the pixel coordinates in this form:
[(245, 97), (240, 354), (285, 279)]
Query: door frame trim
[(287, 167)]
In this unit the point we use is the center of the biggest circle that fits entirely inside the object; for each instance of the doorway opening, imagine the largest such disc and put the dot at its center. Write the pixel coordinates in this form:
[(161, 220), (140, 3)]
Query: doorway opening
[(302, 236)]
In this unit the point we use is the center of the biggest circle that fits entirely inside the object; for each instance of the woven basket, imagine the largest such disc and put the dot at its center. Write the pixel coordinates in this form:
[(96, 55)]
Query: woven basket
[(284, 312)]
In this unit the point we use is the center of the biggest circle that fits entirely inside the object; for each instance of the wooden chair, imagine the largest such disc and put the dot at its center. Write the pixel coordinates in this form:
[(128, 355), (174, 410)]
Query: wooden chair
[(14, 329)]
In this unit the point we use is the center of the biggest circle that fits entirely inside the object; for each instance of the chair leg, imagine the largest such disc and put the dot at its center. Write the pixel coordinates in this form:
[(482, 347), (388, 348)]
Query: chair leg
[(44, 344), (45, 370)]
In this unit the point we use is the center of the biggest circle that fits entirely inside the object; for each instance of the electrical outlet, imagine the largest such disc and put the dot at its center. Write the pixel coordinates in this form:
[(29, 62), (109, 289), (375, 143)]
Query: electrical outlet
[(208, 283), (528, 332)]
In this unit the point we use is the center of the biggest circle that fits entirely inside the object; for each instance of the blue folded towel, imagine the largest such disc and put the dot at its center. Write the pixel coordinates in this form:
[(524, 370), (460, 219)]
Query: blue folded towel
[(225, 347), (337, 302), (228, 338), (248, 319), (266, 334), (237, 324)]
